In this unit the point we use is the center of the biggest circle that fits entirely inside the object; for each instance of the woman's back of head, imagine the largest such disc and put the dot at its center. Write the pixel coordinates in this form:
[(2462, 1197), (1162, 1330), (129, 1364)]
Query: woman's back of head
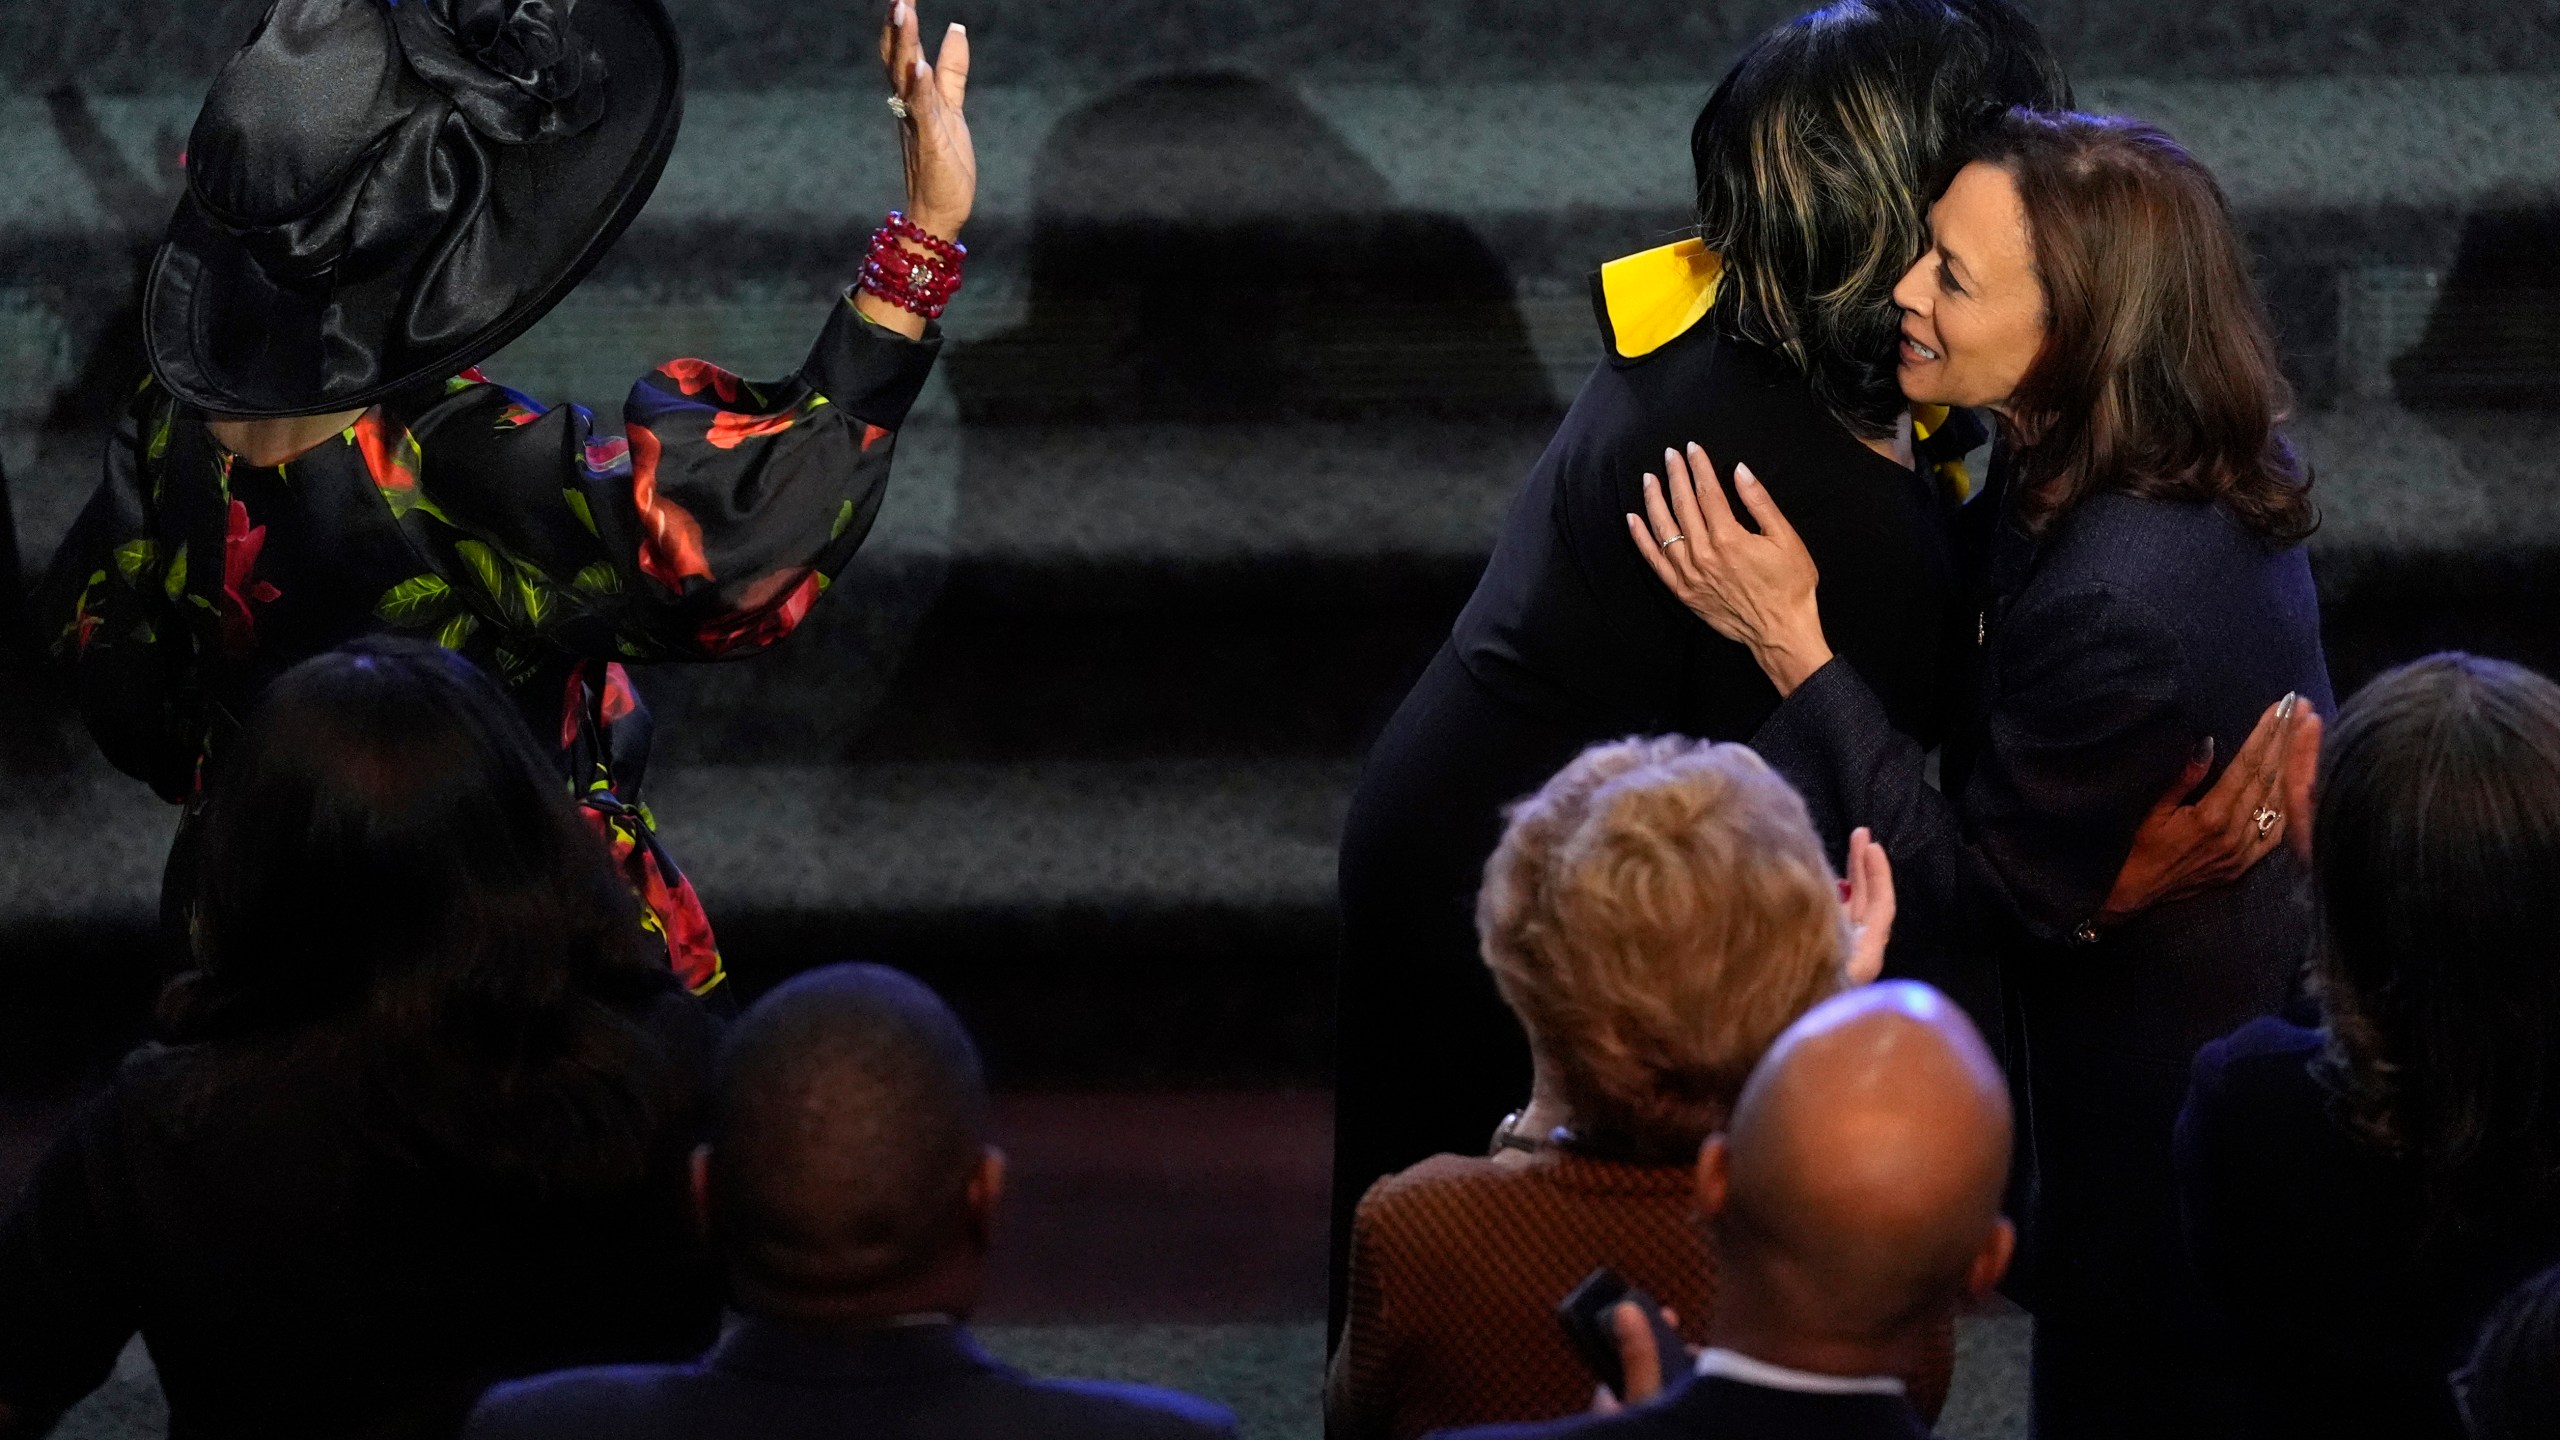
[(2436, 837), (1816, 158), (2158, 373), (1656, 915), (391, 865)]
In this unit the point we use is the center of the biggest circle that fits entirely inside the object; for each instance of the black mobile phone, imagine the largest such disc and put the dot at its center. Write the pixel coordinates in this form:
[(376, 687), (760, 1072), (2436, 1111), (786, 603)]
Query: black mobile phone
[(1584, 1314)]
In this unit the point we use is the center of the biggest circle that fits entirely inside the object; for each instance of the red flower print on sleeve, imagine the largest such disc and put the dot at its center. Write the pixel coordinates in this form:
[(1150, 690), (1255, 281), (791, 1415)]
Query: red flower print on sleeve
[(773, 607), (729, 428), (695, 376), (670, 538), (873, 435), (240, 547), (390, 456)]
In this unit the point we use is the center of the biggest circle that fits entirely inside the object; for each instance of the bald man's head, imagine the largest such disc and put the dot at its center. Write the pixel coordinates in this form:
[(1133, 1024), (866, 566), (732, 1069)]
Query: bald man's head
[(1859, 1182), (848, 1141)]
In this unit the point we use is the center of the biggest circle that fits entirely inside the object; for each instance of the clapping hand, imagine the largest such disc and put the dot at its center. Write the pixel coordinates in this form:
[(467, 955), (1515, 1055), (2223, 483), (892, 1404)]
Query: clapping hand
[(1869, 903)]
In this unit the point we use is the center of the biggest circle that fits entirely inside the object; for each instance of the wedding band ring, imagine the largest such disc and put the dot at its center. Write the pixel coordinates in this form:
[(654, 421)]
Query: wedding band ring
[(898, 108), (1674, 540), (2266, 818)]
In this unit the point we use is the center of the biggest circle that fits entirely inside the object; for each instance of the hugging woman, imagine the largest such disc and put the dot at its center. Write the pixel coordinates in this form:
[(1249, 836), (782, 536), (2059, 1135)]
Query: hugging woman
[(2143, 594), (1772, 335)]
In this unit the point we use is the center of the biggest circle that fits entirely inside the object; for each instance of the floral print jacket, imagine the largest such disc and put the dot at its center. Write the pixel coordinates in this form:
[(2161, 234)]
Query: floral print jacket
[(548, 549)]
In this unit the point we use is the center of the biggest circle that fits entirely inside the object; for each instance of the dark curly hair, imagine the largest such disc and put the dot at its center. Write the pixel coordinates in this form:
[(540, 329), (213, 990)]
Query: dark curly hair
[(392, 866), (2434, 842), (1817, 158)]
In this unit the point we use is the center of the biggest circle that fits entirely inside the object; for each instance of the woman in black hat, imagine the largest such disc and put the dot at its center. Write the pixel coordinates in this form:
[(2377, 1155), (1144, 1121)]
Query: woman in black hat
[(381, 193)]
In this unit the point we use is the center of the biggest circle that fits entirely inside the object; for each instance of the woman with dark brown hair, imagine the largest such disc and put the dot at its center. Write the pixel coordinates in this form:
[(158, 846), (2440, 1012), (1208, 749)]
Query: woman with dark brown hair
[(2141, 597), (2359, 1191)]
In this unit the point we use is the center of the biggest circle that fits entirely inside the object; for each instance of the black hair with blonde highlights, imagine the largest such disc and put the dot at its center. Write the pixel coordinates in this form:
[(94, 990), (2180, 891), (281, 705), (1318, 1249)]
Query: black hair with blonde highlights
[(1817, 158)]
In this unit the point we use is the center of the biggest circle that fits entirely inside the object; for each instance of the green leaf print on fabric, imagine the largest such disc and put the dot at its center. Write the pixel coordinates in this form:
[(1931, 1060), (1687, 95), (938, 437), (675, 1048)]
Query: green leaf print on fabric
[(486, 566), (135, 556), (458, 630), (598, 579), (174, 583), (533, 596), (578, 507), (418, 600), (844, 520)]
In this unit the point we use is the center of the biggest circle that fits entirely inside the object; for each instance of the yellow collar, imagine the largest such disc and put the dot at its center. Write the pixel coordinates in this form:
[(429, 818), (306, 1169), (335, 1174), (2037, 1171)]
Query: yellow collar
[(1650, 299)]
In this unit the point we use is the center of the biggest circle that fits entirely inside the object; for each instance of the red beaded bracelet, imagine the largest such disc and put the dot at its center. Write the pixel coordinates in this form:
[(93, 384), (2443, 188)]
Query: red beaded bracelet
[(923, 284)]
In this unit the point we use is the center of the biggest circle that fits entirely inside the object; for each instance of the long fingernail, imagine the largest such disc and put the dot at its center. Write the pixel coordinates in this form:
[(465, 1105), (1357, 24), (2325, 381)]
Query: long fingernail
[(2284, 707), (959, 29), (2203, 753), (1742, 476)]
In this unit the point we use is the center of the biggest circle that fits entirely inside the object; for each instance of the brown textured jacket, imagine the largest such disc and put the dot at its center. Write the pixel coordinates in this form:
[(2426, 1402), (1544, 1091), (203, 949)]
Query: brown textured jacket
[(1457, 1265)]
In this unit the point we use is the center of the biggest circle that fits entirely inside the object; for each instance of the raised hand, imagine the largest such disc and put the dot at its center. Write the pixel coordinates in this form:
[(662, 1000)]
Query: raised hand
[(1756, 589), (942, 161)]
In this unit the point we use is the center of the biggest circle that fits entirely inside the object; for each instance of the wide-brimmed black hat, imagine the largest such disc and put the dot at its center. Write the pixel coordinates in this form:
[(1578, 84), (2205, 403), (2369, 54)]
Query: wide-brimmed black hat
[(382, 192)]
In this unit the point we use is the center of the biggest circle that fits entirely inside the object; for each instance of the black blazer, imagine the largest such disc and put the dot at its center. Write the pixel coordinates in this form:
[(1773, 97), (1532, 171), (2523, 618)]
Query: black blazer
[(1569, 623), (765, 1381), (2308, 1245), (1717, 1408), (2104, 654)]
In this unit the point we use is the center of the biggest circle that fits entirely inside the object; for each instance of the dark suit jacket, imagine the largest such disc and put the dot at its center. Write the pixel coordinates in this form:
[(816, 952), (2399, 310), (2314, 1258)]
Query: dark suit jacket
[(765, 1381), (2105, 653), (2309, 1246), (1715, 1408)]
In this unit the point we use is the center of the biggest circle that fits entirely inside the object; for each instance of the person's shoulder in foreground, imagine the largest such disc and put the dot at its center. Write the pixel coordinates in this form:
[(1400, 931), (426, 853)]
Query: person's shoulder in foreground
[(929, 1382)]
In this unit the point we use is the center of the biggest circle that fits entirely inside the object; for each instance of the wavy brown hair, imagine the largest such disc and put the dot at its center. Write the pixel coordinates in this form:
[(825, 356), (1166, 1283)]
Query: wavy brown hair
[(1656, 915), (1816, 159), (2159, 375), (2435, 839)]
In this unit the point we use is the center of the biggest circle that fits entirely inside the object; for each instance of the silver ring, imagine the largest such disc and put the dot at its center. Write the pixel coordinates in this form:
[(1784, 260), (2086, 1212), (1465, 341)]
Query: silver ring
[(2266, 819), (899, 108), (1674, 540)]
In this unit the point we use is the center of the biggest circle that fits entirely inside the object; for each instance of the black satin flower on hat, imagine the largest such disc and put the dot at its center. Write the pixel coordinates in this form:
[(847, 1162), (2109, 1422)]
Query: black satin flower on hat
[(518, 70), (381, 193)]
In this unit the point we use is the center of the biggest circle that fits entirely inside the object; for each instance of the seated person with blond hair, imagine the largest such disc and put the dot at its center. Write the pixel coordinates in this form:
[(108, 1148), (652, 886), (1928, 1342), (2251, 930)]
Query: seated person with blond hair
[(1655, 917)]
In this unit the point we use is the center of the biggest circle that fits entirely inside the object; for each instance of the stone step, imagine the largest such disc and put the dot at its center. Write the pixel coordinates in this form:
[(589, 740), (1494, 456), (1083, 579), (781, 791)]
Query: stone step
[(142, 43), (2407, 225), (1157, 920), (1116, 591)]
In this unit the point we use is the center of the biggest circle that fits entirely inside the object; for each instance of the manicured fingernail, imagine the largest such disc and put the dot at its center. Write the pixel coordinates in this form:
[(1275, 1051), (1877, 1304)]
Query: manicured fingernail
[(959, 29), (2203, 753), (921, 67), (1742, 476), (2284, 707), (1650, 482)]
